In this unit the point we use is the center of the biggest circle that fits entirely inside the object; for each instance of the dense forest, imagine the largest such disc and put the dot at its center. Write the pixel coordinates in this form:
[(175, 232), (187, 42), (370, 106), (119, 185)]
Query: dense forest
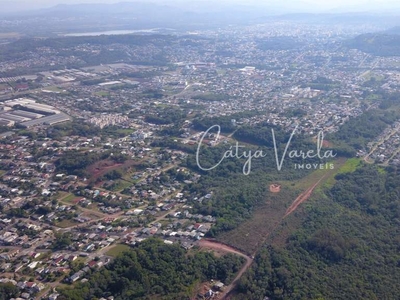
[(74, 128), (346, 248), (357, 132), (8, 291), (75, 162), (166, 115), (154, 270)]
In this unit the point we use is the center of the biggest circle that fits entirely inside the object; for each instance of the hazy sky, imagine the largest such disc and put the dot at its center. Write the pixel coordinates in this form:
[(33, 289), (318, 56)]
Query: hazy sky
[(10, 5)]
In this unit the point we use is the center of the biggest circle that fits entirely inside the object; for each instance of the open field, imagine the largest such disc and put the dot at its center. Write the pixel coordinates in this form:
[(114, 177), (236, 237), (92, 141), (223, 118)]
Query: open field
[(117, 249), (68, 198), (102, 167), (292, 223), (251, 234), (9, 35), (121, 185), (341, 166), (102, 93), (349, 166), (275, 220), (66, 223), (93, 215)]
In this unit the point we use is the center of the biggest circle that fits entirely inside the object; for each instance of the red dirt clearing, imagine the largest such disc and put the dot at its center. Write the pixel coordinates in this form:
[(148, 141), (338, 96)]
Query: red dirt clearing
[(102, 167), (327, 144), (210, 244), (99, 168), (275, 188)]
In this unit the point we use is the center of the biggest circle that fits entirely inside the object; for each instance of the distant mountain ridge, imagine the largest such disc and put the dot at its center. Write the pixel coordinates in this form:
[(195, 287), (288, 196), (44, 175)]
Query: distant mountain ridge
[(178, 15), (394, 30), (381, 44)]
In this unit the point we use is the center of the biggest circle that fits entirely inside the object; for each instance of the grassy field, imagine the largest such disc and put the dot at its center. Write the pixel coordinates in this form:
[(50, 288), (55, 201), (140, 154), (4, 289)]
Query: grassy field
[(121, 185), (68, 198), (117, 249), (369, 75), (102, 93), (66, 223), (92, 215), (292, 223), (345, 166), (80, 260), (42, 256), (350, 165), (250, 235), (307, 181)]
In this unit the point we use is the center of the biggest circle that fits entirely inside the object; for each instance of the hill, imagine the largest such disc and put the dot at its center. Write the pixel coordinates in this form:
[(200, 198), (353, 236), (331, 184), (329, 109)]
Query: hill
[(380, 44)]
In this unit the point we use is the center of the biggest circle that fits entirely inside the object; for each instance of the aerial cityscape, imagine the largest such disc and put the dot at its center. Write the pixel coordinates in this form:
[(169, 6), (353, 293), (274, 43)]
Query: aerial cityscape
[(153, 151)]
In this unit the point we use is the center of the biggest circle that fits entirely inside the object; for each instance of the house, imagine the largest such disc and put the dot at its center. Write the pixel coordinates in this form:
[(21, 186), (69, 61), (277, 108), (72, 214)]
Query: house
[(92, 264), (197, 226), (58, 260), (53, 296), (218, 286), (75, 276), (72, 257), (34, 255), (21, 285), (186, 245)]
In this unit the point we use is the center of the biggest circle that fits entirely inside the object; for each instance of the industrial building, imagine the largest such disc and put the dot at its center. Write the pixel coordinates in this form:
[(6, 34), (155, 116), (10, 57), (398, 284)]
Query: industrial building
[(49, 120), (27, 114), (11, 117), (32, 106), (7, 123)]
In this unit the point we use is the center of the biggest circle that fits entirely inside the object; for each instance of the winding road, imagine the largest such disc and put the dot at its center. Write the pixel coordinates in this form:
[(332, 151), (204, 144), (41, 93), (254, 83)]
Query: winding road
[(214, 245), (210, 244)]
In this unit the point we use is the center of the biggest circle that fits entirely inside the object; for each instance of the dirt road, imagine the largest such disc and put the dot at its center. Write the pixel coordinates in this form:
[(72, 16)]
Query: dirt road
[(301, 198), (209, 244)]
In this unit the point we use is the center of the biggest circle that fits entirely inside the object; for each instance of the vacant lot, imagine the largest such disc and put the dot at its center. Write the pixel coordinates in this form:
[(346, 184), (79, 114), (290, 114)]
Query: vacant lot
[(102, 167), (118, 249), (268, 216)]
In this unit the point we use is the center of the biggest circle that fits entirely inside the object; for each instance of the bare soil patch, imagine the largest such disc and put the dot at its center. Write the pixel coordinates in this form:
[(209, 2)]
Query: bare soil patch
[(275, 188), (102, 167)]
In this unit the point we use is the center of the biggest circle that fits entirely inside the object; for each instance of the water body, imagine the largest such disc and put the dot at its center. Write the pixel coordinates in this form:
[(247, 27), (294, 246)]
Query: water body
[(112, 32)]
